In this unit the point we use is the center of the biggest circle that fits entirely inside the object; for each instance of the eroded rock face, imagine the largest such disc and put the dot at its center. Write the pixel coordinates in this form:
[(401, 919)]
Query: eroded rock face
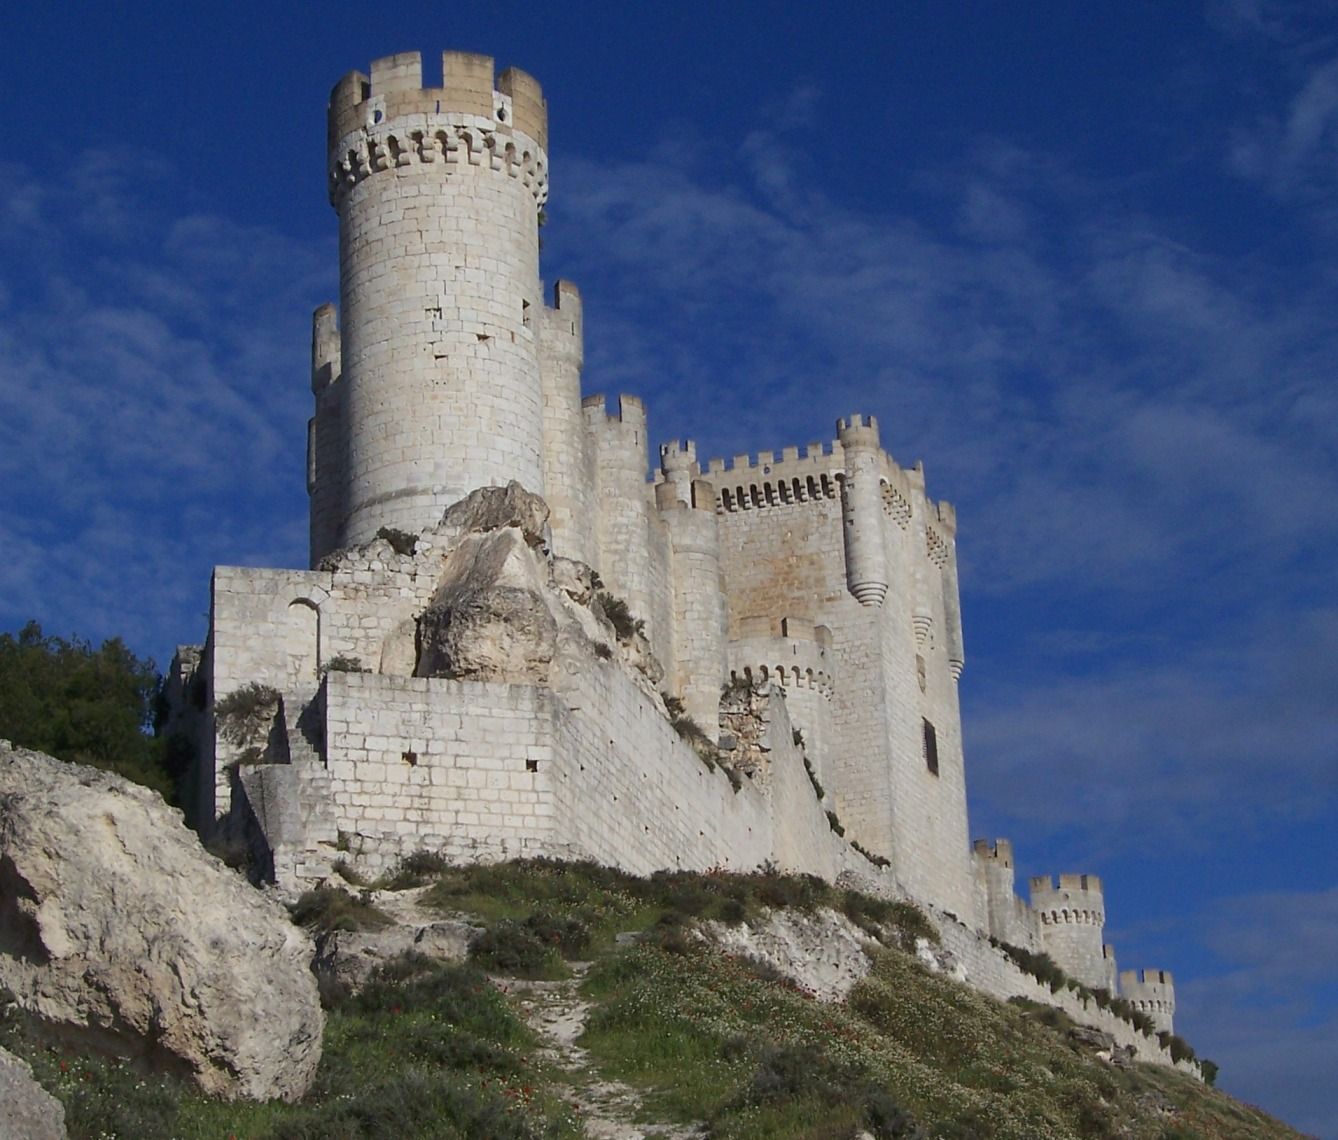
[(822, 952), (490, 618), (124, 936), (27, 1111), (494, 508)]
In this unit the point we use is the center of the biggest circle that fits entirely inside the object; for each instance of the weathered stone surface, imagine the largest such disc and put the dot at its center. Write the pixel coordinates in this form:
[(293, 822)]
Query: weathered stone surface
[(822, 952), (27, 1111), (347, 958), (490, 618), (493, 508), (123, 935)]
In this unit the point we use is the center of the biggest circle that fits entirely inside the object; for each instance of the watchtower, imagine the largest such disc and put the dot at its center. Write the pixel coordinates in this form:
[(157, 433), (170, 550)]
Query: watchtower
[(1151, 992), (1072, 920), (436, 388)]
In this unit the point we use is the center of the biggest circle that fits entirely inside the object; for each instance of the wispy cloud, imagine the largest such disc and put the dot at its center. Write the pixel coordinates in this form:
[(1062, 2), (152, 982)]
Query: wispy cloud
[(152, 401)]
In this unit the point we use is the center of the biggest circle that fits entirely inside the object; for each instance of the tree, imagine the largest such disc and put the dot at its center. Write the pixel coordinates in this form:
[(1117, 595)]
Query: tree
[(75, 702)]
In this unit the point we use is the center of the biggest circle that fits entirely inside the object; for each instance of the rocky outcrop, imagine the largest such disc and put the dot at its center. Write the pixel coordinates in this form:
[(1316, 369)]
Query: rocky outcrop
[(821, 952), (121, 934), (490, 617), (495, 508), (345, 959), (27, 1111)]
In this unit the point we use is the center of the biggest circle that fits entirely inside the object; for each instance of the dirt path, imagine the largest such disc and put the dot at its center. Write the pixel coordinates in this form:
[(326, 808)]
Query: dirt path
[(556, 1011)]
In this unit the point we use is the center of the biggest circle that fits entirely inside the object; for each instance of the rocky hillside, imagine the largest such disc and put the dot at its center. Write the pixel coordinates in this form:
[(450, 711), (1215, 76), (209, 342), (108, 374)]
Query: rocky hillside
[(547, 1000)]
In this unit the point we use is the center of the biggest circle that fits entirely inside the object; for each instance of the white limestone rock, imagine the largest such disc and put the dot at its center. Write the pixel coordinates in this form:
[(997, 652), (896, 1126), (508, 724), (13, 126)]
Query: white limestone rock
[(27, 1110), (347, 958), (123, 935), (490, 618), (493, 508), (822, 952)]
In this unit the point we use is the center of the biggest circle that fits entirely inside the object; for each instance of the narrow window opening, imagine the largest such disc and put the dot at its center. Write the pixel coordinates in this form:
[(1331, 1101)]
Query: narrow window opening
[(531, 765), (931, 747), (525, 313), (410, 758)]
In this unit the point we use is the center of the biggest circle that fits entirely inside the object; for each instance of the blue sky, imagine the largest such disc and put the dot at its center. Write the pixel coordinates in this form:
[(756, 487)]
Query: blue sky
[(1078, 258)]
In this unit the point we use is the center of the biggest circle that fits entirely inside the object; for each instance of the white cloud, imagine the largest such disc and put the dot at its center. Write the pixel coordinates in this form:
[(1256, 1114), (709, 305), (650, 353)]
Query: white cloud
[(152, 399)]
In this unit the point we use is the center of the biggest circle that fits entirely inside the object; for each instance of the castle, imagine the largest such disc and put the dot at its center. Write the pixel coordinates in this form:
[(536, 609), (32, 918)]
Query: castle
[(511, 642)]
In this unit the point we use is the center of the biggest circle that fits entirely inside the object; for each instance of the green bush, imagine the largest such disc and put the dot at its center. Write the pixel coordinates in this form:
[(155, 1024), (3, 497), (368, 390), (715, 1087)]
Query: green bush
[(620, 616), (415, 870), (331, 908)]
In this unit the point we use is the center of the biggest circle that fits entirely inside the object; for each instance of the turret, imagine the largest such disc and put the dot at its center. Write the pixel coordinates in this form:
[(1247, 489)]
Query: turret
[(438, 191), (617, 442), (686, 505), (1072, 918), (952, 600), (326, 484), (567, 477), (1151, 992), (862, 511), (1005, 916)]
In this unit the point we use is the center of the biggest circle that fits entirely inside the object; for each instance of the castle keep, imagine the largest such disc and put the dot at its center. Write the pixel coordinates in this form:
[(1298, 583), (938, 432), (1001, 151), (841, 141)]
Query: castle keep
[(511, 641)]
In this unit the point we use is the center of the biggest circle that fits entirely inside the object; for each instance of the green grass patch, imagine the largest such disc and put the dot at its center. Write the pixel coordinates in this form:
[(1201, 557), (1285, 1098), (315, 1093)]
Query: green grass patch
[(332, 908), (426, 1049)]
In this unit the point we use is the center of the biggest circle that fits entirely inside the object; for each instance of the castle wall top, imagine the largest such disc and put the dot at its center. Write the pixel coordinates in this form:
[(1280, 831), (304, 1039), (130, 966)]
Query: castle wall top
[(1073, 884), (1000, 851), (513, 101)]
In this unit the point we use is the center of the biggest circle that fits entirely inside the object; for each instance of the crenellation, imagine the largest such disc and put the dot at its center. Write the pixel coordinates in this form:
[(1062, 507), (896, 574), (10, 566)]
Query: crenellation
[(510, 620)]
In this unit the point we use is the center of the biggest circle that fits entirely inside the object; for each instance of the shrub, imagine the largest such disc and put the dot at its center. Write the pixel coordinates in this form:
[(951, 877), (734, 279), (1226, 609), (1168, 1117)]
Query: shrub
[(244, 713), (341, 664), (813, 779), (531, 948), (331, 908), (620, 617), (415, 870), (834, 823), (876, 860)]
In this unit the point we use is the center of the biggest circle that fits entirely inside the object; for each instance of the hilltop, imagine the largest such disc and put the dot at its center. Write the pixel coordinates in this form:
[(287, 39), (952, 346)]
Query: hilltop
[(594, 1003)]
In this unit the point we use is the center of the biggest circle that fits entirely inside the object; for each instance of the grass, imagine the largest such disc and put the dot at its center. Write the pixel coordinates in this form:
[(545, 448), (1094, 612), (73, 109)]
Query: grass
[(434, 1050), (425, 1050), (330, 908)]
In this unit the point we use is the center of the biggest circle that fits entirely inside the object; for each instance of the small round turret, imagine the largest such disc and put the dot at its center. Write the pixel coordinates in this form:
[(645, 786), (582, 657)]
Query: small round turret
[(862, 510), (1151, 992), (1072, 920)]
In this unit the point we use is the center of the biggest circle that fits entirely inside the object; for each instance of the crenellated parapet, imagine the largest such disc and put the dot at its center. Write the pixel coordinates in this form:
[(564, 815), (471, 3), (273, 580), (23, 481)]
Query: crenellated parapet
[(389, 121), (790, 652), (1077, 899), (1151, 992)]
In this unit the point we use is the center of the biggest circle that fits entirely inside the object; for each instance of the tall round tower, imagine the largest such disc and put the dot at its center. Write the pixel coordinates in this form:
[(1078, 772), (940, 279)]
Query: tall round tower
[(438, 192)]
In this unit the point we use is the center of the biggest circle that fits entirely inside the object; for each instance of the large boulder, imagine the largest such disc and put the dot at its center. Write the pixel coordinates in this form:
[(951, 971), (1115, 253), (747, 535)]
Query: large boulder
[(123, 935), (490, 618), (27, 1110)]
